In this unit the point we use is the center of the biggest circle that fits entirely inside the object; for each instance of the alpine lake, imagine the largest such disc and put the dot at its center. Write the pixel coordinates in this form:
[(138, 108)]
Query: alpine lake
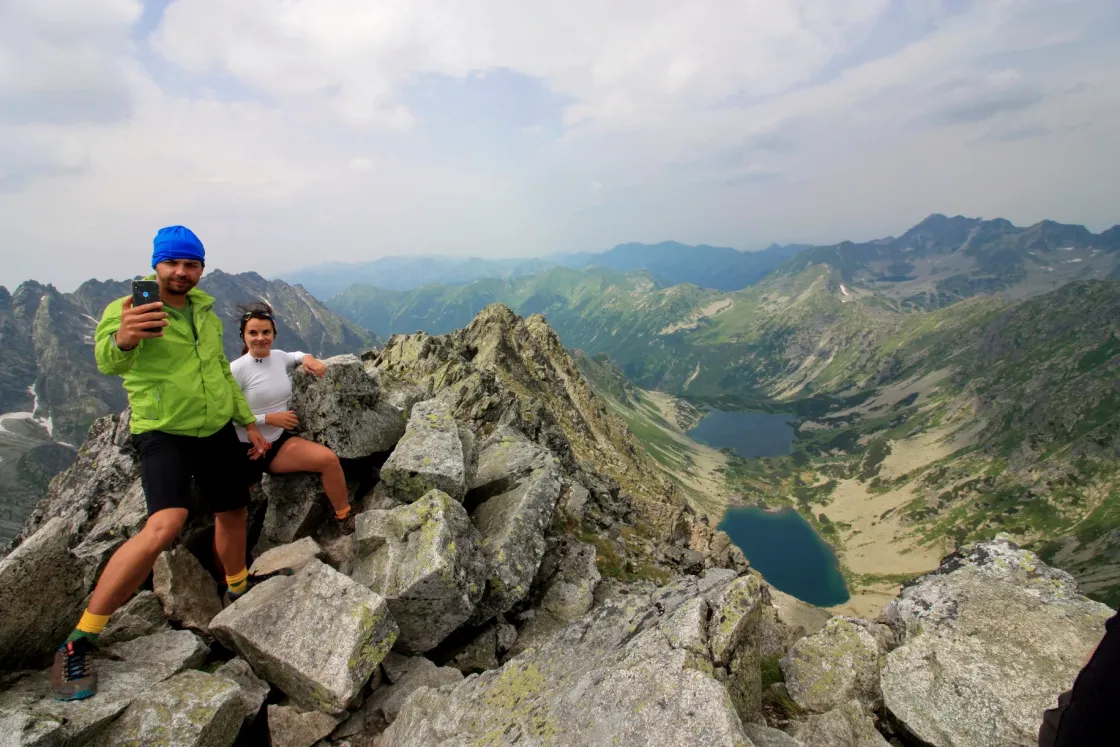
[(780, 544)]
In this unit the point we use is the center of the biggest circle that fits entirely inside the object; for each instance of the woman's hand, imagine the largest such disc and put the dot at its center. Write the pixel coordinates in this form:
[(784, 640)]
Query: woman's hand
[(311, 364), (286, 420)]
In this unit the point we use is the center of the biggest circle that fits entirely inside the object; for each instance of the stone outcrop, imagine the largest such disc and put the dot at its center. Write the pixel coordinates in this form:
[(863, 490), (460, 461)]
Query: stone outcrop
[(254, 690), (430, 455), (847, 725), (297, 505), (140, 616), (829, 668), (317, 635), (344, 410), (289, 726), (192, 709), (568, 576), (187, 592), (42, 595), (634, 667), (425, 559), (292, 556), (512, 525), (988, 641)]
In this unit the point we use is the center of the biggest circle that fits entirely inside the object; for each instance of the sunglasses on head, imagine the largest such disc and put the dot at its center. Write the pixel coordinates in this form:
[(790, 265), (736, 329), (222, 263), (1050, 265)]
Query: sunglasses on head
[(255, 315)]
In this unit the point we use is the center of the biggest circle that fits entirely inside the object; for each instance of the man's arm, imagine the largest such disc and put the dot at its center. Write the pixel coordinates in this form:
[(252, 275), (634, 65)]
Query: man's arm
[(111, 360)]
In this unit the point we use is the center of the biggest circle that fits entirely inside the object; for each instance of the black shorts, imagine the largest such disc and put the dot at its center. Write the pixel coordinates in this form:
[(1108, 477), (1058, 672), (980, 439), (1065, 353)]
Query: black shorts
[(168, 462), (254, 468)]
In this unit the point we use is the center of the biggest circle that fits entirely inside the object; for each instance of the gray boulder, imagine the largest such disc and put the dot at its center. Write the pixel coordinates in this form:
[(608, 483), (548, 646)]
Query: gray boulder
[(764, 736), (634, 667), (734, 637), (187, 592), (422, 673), (847, 725), (140, 616), (512, 525), (425, 559), (317, 635), (428, 457), (42, 595), (140, 665), (988, 641), (829, 668), (289, 726), (297, 505), (504, 459), (568, 575), (254, 690), (192, 709), (292, 556), (344, 410)]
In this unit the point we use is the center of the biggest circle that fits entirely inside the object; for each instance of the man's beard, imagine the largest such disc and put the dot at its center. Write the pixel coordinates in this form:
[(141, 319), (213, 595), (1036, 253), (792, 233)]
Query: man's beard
[(179, 287)]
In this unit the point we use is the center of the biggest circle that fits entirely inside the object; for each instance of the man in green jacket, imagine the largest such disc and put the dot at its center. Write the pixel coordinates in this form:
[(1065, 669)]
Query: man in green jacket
[(184, 403)]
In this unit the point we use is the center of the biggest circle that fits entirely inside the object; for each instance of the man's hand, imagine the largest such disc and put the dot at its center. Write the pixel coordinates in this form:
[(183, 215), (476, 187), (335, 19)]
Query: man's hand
[(311, 364), (286, 420), (137, 323), (260, 443)]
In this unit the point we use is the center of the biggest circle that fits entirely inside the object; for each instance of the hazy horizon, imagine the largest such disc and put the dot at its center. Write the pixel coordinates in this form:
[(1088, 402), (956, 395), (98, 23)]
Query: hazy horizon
[(292, 133)]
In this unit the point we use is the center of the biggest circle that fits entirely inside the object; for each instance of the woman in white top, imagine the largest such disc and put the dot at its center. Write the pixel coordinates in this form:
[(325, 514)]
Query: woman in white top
[(263, 374)]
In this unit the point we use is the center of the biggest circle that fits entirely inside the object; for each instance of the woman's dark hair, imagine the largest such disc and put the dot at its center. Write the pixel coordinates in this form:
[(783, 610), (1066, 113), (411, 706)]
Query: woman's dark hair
[(257, 310)]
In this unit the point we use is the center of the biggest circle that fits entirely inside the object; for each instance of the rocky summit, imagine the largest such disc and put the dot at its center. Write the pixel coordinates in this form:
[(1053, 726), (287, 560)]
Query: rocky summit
[(520, 574)]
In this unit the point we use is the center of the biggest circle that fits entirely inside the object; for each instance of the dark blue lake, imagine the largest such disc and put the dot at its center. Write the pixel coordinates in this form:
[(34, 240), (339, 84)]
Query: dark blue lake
[(748, 434), (785, 549)]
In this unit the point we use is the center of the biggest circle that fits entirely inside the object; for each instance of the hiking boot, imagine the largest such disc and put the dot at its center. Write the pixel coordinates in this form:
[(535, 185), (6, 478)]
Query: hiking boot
[(73, 676), (346, 526)]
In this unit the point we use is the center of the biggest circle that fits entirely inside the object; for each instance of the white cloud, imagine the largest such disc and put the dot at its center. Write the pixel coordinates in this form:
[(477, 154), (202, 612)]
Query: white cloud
[(284, 132)]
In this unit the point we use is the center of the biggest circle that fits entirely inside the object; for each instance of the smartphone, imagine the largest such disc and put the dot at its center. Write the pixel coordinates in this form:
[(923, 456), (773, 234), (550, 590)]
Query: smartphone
[(143, 292)]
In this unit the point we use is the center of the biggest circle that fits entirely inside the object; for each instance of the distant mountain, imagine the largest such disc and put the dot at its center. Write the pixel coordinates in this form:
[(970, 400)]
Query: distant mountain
[(51, 390), (943, 260), (406, 273), (672, 263)]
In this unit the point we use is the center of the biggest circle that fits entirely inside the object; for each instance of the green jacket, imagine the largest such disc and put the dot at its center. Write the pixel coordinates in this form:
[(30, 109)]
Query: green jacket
[(174, 384)]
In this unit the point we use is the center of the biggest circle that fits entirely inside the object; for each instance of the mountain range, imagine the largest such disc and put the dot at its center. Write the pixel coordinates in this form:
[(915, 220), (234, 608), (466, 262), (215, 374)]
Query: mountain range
[(51, 389)]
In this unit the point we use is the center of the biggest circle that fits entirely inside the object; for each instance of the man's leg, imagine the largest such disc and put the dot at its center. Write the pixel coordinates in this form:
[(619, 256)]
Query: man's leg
[(132, 563), (230, 528)]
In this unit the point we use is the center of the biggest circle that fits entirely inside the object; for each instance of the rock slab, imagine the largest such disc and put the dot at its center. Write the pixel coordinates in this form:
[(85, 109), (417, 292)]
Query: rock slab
[(317, 635), (292, 556), (988, 641), (140, 616), (290, 727), (187, 592), (831, 667), (192, 709), (429, 456), (254, 690), (425, 559)]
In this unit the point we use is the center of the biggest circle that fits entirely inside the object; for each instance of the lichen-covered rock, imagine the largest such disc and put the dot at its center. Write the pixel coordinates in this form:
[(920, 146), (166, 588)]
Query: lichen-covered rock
[(480, 654), (422, 673), (734, 641), (42, 595), (505, 458), (613, 677), (764, 736), (512, 525), (425, 559), (296, 506), (288, 726), (787, 620), (192, 709), (847, 725), (292, 556), (428, 457), (140, 616), (140, 665), (989, 640), (187, 592), (317, 635), (343, 410), (568, 576), (829, 668), (254, 690)]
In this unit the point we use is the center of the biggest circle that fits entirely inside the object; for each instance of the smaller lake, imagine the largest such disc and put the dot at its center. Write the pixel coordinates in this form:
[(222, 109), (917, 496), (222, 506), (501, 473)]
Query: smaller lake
[(748, 434), (786, 549)]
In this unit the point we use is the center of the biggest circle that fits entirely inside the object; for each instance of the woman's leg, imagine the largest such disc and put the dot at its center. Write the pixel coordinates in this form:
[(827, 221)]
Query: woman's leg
[(300, 455)]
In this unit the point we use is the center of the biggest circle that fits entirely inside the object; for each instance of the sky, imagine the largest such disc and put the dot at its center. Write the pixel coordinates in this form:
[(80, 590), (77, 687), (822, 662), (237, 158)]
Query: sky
[(291, 132)]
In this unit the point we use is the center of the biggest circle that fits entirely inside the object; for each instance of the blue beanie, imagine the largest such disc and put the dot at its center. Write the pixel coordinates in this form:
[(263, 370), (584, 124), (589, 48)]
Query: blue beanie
[(176, 242)]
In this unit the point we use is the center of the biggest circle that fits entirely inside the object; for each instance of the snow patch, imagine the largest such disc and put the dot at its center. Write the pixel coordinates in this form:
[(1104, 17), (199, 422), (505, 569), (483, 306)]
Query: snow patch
[(844, 290), (1071, 261)]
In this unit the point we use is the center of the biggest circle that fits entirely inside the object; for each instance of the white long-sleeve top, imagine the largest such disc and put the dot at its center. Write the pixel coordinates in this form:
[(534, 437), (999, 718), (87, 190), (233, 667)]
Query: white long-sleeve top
[(267, 387)]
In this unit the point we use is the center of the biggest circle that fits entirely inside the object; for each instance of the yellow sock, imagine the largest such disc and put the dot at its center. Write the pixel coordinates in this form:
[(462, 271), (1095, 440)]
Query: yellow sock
[(344, 513), (90, 626), (238, 583)]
